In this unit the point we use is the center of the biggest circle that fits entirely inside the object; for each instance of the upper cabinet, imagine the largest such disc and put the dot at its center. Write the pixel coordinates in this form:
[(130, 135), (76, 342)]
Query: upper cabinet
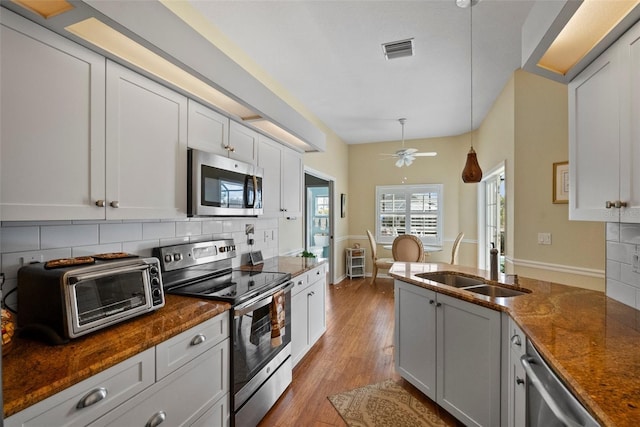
[(146, 133), (213, 132), (604, 140), (53, 125), (282, 179), (82, 137)]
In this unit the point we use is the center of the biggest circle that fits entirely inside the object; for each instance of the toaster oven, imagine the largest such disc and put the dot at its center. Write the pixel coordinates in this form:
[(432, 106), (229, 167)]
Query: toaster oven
[(57, 304)]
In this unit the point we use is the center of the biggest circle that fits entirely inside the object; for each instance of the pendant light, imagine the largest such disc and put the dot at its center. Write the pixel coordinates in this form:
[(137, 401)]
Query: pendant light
[(471, 172)]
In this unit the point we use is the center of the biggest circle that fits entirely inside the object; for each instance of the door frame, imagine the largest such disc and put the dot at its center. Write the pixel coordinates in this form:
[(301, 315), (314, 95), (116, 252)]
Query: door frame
[(482, 217), (332, 218)]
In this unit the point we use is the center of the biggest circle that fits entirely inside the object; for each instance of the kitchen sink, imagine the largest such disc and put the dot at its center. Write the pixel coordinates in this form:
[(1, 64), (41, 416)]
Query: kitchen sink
[(452, 279), (472, 284), (495, 291)]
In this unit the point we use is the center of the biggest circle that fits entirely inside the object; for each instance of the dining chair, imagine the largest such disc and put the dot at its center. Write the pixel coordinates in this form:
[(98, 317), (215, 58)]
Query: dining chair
[(456, 246), (407, 247), (384, 263)]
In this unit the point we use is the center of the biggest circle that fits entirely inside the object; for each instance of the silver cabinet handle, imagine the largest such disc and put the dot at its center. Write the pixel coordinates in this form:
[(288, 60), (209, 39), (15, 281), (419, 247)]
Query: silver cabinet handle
[(515, 340), (198, 339), (619, 204), (546, 396), (608, 204), (519, 381), (100, 203), (157, 419), (94, 396), (432, 301), (115, 204)]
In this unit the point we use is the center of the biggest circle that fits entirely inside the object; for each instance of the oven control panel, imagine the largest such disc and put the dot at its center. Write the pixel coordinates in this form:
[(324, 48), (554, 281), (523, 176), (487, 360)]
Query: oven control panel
[(184, 255)]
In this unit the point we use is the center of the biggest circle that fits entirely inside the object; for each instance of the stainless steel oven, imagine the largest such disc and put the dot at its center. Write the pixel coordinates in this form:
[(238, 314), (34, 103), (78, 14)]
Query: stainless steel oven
[(549, 402), (260, 319)]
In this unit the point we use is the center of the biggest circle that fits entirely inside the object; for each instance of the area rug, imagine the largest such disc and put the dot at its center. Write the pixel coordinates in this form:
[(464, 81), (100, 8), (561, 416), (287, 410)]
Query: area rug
[(383, 404)]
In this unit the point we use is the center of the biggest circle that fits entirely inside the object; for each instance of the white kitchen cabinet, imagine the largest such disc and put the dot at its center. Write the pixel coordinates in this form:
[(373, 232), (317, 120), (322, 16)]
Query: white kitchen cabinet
[(53, 125), (186, 378), (82, 137), (517, 391), (244, 142), (208, 130), (146, 138), (450, 350), (283, 179), (604, 136), (308, 316)]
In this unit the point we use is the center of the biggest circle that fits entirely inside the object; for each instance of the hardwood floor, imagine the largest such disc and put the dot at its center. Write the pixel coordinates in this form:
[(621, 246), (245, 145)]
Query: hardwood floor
[(356, 350)]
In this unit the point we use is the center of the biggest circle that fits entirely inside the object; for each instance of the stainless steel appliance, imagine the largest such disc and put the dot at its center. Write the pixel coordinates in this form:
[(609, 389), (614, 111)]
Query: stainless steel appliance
[(261, 366), (549, 402), (58, 303), (221, 186)]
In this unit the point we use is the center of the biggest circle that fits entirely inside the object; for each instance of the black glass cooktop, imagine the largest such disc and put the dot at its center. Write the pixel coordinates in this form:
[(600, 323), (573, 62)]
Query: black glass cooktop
[(233, 286)]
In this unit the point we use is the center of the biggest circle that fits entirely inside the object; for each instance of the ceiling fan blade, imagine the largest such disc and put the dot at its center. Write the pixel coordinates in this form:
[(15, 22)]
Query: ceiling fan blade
[(426, 154), (400, 162)]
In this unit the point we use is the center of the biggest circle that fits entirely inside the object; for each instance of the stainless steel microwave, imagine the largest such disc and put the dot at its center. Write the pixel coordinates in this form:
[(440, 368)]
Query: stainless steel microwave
[(219, 186), (62, 302)]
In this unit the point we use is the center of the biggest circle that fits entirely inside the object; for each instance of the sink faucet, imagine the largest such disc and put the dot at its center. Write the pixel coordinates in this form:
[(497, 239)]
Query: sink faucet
[(493, 272)]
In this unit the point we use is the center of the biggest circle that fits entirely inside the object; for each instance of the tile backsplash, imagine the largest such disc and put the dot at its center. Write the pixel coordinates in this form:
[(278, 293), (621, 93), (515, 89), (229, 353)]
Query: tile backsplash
[(25, 242), (623, 263)]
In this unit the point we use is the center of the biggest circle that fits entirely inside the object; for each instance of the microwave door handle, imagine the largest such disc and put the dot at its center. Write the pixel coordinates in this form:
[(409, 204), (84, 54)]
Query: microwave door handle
[(246, 190), (90, 276), (255, 190)]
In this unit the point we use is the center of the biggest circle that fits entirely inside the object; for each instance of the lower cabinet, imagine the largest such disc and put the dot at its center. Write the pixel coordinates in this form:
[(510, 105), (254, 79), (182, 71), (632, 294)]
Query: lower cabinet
[(450, 350), (308, 317), (144, 390)]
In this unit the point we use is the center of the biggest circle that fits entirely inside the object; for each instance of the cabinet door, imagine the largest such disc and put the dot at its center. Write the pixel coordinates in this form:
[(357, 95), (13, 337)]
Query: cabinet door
[(316, 304), (269, 159), (244, 142), (594, 138), (630, 138), (180, 398), (146, 147), (208, 130), (52, 112), (415, 336), (516, 382), (299, 326), (292, 179), (468, 370)]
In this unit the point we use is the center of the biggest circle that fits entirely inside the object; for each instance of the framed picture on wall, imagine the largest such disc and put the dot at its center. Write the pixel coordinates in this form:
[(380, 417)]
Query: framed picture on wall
[(561, 182), (343, 205)]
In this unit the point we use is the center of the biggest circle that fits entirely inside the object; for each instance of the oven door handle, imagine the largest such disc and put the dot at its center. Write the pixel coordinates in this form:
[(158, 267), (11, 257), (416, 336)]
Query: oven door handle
[(533, 378), (260, 301)]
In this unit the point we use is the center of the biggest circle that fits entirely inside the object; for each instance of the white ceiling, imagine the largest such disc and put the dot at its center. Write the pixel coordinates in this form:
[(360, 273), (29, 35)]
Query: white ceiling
[(328, 56)]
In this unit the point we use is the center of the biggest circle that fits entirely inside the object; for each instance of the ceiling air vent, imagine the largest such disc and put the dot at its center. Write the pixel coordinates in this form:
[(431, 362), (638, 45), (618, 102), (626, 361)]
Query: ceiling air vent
[(398, 49)]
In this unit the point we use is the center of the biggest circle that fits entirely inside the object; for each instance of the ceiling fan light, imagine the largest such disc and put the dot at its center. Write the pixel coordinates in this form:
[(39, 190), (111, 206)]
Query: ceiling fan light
[(471, 172)]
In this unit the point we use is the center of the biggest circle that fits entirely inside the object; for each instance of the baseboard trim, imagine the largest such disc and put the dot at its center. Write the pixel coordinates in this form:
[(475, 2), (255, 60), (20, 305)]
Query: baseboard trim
[(569, 269)]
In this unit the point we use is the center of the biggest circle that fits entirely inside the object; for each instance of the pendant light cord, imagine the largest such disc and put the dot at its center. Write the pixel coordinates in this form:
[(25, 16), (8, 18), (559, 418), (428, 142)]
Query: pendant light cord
[(471, 68)]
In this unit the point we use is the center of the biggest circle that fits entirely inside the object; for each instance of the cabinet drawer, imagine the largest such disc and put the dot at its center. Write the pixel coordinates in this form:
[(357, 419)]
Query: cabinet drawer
[(217, 415), (119, 383), (301, 282), (182, 397), (175, 352), (317, 274)]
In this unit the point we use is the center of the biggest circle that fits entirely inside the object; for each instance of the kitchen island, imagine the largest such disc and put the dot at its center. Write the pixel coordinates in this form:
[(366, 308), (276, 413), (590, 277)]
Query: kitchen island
[(591, 341)]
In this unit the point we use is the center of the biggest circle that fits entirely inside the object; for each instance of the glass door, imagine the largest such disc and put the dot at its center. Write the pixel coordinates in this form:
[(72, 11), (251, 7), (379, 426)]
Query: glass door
[(495, 217)]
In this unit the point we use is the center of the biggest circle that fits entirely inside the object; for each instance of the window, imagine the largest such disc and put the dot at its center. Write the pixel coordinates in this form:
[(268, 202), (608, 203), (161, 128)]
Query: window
[(409, 209)]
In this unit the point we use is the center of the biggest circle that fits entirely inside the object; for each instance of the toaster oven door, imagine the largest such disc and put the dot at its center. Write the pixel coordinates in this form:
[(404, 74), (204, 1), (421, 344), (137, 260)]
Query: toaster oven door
[(98, 299)]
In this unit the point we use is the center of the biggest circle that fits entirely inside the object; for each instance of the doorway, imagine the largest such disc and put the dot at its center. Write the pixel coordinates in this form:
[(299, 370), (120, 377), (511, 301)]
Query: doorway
[(492, 218), (319, 217)]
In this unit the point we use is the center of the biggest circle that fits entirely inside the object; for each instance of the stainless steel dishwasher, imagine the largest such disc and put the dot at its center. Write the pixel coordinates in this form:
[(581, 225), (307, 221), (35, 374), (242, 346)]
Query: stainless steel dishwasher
[(549, 402)]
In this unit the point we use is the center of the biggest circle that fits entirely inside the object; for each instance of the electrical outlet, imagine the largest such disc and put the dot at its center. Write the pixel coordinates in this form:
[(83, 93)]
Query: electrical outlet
[(31, 259), (544, 238)]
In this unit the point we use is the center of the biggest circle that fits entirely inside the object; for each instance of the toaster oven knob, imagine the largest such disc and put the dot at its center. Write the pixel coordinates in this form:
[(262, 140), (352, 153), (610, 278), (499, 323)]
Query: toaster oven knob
[(155, 281), (153, 270), (156, 293)]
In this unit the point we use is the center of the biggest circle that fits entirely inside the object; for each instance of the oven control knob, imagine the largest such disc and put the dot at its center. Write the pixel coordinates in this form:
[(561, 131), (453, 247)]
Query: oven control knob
[(168, 258), (233, 248), (177, 257), (223, 249), (252, 283)]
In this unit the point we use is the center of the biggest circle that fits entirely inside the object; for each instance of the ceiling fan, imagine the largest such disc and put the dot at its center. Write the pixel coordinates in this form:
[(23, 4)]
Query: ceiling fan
[(406, 156)]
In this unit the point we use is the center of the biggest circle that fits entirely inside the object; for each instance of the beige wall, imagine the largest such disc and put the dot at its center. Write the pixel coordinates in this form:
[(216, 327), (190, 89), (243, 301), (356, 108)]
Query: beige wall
[(528, 128)]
